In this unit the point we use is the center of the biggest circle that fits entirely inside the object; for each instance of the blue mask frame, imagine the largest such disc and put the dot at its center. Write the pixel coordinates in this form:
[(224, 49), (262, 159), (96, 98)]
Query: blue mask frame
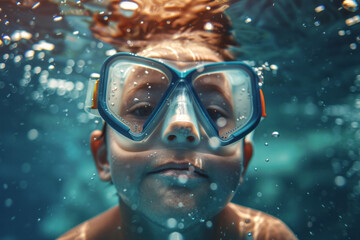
[(176, 78)]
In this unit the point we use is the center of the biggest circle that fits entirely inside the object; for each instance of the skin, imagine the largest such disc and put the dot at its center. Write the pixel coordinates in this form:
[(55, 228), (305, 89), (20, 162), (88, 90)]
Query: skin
[(154, 204)]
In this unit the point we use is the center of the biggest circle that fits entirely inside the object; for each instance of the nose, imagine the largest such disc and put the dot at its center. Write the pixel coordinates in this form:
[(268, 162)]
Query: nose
[(180, 126)]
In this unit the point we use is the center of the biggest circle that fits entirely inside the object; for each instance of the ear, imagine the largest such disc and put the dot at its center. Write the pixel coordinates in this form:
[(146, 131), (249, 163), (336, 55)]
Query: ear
[(99, 152), (248, 152)]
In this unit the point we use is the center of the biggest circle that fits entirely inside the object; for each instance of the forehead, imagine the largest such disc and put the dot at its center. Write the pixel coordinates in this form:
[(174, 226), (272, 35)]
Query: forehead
[(181, 52)]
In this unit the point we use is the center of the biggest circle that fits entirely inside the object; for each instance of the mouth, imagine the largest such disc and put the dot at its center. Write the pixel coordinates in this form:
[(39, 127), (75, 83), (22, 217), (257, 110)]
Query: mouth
[(180, 169)]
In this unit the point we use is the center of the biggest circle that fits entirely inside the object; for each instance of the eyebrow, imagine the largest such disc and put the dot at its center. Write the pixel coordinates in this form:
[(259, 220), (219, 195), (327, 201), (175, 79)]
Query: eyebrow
[(144, 85), (215, 86)]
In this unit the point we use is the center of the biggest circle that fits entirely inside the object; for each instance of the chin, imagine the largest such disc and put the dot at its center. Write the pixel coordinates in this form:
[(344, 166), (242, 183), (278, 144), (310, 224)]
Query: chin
[(183, 209)]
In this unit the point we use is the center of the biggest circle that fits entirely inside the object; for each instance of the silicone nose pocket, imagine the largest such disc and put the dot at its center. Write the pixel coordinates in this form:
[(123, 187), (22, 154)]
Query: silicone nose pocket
[(180, 125)]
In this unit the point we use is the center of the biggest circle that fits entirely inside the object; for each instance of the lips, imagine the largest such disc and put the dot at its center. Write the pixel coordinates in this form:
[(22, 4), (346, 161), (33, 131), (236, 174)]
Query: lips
[(174, 168)]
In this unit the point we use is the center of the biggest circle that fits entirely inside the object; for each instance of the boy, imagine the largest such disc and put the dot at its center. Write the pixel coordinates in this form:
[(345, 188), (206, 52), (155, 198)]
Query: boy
[(174, 146), (176, 115)]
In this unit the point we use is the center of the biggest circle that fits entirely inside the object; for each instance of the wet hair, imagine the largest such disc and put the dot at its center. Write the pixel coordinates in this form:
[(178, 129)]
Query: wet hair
[(132, 26)]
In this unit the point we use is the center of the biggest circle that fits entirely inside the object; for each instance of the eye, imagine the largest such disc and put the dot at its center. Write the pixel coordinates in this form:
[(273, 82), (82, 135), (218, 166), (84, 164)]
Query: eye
[(216, 113), (141, 110), (218, 116)]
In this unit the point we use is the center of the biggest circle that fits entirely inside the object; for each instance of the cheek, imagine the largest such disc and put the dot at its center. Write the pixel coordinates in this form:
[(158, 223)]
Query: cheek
[(226, 173), (126, 168)]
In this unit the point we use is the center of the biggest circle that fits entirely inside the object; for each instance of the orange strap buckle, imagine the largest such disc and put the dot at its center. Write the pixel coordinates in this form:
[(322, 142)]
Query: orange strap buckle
[(263, 113), (94, 98)]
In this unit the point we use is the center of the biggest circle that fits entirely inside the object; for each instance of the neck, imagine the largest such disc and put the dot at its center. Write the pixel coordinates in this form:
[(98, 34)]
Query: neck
[(135, 226)]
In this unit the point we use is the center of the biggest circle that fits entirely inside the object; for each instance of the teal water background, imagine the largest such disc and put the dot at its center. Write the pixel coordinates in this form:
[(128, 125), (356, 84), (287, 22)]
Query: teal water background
[(308, 176)]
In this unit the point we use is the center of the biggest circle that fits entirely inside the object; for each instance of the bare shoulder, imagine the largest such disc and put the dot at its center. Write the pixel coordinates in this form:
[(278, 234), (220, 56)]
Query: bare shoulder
[(103, 226), (260, 225)]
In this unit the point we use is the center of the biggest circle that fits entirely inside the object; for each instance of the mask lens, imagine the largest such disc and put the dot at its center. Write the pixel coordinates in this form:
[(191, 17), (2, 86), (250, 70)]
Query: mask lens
[(226, 96), (134, 91)]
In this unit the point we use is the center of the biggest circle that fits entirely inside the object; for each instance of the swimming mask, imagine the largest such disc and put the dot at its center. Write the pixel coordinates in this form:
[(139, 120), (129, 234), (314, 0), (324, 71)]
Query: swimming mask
[(135, 95)]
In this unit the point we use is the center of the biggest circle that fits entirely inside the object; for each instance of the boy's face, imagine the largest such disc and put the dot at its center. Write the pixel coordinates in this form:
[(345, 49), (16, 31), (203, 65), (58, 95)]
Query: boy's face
[(189, 181)]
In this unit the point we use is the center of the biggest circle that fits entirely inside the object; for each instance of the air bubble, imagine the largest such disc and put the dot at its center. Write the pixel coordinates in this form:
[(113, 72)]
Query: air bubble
[(182, 179), (208, 26), (200, 69), (43, 45), (275, 134), (32, 134), (80, 63), (79, 86), (341, 33), (41, 55), (6, 56), (248, 20), (29, 54), (213, 186), (214, 142), (8, 202), (181, 226), (353, 46), (353, 20), (175, 236), (221, 122), (350, 5), (6, 40), (20, 34), (35, 5), (57, 18), (320, 8), (339, 121), (110, 52), (340, 181), (171, 223), (127, 8)]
